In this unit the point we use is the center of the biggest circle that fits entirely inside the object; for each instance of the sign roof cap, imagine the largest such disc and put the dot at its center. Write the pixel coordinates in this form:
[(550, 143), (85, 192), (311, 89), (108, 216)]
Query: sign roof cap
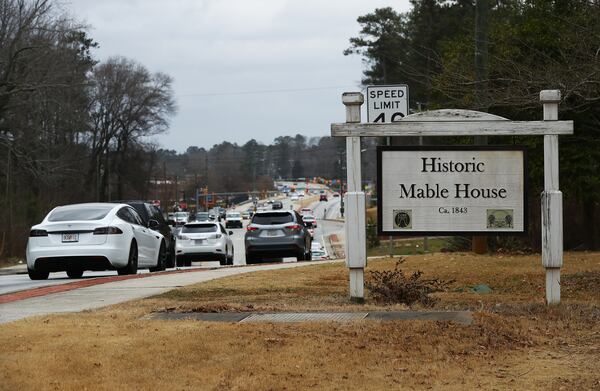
[(353, 98), (549, 96)]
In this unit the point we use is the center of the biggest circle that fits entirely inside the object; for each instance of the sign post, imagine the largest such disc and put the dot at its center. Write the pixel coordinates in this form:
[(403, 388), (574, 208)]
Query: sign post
[(355, 226), (552, 225), (508, 215)]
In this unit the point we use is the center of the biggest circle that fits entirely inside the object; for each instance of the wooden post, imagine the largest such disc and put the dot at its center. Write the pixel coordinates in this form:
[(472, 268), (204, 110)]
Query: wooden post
[(356, 253), (552, 227)]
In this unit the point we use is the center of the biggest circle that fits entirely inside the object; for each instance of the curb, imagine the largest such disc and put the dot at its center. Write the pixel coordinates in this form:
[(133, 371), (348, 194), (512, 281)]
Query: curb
[(12, 270)]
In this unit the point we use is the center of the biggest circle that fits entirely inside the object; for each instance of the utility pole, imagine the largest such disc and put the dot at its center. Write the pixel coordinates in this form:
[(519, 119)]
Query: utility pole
[(176, 191), (8, 239), (196, 182), (479, 243)]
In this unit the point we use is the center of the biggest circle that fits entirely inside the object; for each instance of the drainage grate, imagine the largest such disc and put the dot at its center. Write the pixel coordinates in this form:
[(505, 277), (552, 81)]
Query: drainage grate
[(305, 317)]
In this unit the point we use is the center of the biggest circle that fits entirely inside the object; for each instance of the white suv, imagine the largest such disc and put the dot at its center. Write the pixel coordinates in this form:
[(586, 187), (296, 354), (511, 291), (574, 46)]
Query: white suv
[(205, 241), (233, 220)]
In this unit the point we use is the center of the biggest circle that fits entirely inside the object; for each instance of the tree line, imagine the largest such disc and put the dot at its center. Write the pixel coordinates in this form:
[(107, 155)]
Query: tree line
[(72, 128), (496, 56), (229, 167)]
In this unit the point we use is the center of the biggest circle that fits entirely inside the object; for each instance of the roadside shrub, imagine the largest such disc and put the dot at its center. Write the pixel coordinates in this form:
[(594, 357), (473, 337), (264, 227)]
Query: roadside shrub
[(458, 243), (396, 286)]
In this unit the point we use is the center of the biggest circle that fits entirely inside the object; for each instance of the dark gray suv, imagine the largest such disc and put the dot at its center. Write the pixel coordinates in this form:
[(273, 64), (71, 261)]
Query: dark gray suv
[(277, 235)]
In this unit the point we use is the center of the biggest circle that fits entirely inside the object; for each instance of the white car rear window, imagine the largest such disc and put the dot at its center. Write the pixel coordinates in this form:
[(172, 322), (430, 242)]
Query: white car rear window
[(84, 213), (198, 228)]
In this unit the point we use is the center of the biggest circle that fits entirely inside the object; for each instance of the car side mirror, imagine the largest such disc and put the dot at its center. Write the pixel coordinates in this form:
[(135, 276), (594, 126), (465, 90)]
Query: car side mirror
[(230, 232), (153, 224)]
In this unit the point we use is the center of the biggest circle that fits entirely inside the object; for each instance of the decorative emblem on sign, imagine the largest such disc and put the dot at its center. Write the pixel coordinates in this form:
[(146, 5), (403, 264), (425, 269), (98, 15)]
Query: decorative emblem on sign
[(403, 218), (499, 218)]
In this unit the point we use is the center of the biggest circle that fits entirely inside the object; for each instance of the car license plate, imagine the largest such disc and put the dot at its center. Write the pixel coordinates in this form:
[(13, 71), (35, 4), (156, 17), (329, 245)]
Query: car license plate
[(199, 241), (272, 233), (70, 238)]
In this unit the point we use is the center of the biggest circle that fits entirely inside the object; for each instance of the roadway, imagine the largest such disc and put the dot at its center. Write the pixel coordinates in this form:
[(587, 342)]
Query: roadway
[(20, 282)]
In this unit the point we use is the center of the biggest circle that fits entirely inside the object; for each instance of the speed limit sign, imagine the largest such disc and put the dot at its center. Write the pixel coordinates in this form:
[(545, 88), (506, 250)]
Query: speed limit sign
[(387, 103)]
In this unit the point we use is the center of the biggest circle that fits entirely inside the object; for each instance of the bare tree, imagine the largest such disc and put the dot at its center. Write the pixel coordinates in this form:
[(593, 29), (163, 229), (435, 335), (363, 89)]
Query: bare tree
[(127, 105)]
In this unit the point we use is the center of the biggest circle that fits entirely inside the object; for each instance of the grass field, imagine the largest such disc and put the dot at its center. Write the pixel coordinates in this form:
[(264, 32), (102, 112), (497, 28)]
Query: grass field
[(515, 342), (408, 247)]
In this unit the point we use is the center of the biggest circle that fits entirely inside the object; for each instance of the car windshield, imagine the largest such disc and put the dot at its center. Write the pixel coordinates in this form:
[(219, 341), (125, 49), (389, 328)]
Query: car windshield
[(202, 215), (272, 218), (308, 217), (181, 214), (233, 215), (198, 228), (70, 213), (318, 253)]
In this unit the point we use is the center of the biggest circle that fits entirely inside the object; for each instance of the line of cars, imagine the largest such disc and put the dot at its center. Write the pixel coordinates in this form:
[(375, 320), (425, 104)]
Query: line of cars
[(130, 235)]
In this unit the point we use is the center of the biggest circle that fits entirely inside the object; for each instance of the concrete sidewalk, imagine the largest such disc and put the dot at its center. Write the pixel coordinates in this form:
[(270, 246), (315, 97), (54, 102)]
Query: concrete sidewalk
[(102, 295)]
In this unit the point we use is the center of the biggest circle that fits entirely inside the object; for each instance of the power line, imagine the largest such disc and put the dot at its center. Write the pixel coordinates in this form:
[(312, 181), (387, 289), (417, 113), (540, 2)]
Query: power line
[(264, 91)]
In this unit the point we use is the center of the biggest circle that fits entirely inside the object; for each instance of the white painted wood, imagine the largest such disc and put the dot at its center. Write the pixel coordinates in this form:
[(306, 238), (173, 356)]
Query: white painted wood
[(552, 285), (550, 96), (452, 128), (551, 162), (357, 284), (355, 230), (552, 225), (552, 239), (353, 101), (355, 225), (452, 115), (353, 166)]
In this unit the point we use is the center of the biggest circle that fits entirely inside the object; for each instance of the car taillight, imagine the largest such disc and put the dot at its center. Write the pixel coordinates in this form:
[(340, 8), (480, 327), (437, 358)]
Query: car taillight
[(182, 237), (216, 236), (250, 228), (107, 231), (37, 233), (294, 227)]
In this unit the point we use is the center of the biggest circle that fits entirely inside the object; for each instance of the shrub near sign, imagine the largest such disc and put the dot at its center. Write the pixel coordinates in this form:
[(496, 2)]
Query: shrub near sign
[(442, 190)]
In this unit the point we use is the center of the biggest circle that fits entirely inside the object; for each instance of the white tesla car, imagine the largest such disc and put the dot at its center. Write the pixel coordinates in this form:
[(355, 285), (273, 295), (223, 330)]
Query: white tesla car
[(95, 236), (205, 241)]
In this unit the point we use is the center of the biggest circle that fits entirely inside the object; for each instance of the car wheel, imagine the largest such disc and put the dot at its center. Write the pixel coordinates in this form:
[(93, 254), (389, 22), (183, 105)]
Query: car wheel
[(250, 259), (171, 256), (180, 261), (75, 273), (188, 262), (37, 275), (223, 259), (300, 256), (230, 260), (160, 262), (132, 262)]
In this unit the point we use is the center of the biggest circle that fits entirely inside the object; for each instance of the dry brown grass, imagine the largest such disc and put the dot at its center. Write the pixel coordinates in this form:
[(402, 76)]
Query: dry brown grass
[(516, 342)]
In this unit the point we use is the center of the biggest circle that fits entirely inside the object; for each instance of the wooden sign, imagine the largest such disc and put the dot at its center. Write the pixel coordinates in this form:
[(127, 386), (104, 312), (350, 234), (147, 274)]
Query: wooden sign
[(451, 190)]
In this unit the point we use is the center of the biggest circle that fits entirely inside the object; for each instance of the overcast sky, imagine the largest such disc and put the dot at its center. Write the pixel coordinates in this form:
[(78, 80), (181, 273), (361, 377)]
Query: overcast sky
[(242, 69)]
